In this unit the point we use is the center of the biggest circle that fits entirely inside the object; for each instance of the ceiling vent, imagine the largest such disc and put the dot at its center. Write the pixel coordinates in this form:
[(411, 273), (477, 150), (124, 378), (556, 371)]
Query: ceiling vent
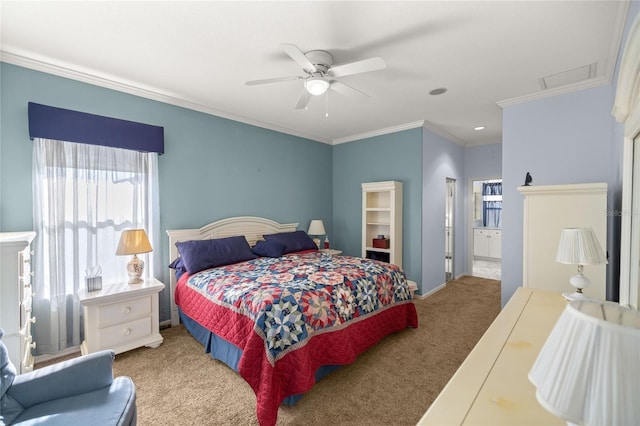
[(570, 77)]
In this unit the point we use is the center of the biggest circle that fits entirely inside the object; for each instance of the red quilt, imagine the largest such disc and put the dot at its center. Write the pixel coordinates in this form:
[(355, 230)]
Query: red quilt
[(294, 314)]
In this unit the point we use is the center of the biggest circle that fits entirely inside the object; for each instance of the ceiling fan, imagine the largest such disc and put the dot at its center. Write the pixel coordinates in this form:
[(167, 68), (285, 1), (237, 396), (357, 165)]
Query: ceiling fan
[(321, 73)]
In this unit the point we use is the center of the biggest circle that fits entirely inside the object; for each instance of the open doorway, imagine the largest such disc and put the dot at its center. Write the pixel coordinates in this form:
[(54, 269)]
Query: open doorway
[(486, 228), (449, 229)]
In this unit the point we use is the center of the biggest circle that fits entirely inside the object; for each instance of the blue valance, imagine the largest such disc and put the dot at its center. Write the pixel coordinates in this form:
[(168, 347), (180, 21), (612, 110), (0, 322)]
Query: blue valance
[(49, 122)]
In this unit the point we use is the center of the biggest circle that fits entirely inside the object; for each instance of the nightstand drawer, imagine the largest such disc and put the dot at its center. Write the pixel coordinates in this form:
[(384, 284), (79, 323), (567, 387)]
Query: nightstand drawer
[(120, 312), (117, 334)]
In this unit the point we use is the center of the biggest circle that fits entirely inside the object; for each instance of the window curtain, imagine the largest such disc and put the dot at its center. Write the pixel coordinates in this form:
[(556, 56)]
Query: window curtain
[(84, 196), (492, 204)]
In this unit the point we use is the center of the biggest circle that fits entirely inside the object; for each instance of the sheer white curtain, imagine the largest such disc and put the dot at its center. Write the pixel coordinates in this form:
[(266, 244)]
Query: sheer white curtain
[(84, 196)]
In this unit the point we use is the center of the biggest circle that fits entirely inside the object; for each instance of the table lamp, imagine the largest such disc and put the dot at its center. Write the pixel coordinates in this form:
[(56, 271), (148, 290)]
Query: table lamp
[(316, 228), (579, 246), (588, 371), (134, 241)]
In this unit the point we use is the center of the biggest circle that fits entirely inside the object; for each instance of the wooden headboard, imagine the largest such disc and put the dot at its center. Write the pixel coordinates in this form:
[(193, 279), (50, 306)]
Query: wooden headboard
[(251, 227)]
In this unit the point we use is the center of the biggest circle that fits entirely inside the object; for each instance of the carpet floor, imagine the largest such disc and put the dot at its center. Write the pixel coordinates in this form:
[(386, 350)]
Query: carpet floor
[(392, 383)]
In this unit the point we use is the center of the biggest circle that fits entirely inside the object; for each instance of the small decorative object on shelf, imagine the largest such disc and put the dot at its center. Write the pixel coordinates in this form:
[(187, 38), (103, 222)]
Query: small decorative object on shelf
[(381, 242), (528, 179), (93, 278), (134, 241)]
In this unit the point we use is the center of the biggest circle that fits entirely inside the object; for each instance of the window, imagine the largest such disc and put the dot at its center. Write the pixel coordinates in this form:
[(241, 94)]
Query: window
[(84, 197)]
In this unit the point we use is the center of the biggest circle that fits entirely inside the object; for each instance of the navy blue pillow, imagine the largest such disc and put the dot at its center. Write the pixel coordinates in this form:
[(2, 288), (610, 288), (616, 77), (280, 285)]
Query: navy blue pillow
[(178, 265), (198, 255), (293, 241), (269, 248)]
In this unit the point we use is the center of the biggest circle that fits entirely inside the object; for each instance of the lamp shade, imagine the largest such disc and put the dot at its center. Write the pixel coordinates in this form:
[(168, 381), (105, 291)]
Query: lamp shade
[(580, 246), (133, 241), (316, 227), (588, 371)]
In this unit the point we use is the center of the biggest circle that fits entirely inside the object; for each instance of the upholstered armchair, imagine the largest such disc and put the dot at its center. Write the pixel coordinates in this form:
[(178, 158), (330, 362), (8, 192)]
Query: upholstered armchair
[(80, 391)]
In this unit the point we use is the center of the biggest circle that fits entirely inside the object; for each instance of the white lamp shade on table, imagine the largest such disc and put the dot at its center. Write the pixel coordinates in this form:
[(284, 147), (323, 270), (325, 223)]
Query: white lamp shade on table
[(134, 241), (588, 371), (579, 246), (316, 227)]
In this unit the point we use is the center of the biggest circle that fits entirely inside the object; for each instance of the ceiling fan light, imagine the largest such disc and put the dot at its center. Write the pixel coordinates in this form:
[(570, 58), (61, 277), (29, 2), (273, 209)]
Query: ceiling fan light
[(316, 85)]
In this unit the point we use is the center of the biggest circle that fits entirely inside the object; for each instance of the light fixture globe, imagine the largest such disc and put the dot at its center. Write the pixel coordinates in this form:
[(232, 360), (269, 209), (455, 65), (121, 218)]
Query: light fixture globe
[(316, 85)]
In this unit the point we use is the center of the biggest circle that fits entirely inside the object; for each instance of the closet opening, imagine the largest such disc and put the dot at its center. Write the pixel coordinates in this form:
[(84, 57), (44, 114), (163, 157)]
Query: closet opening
[(449, 222)]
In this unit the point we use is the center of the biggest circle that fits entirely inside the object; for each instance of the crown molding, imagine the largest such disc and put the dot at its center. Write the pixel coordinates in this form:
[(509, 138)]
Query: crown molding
[(171, 99), (379, 132), (141, 91), (586, 84), (628, 90)]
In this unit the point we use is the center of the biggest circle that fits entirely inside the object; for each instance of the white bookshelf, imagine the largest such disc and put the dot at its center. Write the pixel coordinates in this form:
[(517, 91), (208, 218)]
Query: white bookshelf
[(382, 215)]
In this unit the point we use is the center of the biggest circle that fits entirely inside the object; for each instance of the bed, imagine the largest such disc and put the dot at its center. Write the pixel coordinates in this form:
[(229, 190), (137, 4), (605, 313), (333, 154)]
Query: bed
[(286, 317)]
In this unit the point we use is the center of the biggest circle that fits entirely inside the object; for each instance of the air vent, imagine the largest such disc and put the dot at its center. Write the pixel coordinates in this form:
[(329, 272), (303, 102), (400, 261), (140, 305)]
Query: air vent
[(567, 78)]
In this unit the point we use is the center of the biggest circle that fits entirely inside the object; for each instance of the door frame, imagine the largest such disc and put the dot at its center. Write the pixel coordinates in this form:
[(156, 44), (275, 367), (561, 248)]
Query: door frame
[(470, 219)]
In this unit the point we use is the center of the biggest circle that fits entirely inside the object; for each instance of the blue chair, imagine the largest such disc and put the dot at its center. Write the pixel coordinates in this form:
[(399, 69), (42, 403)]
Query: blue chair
[(80, 391)]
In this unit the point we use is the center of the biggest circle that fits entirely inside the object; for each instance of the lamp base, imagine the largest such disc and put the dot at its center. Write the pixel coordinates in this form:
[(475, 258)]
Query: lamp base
[(135, 268), (576, 296)]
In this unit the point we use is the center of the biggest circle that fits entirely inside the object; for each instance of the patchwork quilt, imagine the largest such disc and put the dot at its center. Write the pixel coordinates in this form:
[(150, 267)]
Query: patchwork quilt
[(293, 314)]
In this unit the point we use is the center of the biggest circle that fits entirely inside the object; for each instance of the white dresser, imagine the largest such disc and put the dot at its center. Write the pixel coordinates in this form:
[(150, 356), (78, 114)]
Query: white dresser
[(547, 210), (492, 387), (121, 316), (16, 297)]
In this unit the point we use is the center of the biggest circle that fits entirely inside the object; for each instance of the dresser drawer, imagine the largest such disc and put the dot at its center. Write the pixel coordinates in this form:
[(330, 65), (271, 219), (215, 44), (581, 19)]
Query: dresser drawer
[(120, 333), (120, 312)]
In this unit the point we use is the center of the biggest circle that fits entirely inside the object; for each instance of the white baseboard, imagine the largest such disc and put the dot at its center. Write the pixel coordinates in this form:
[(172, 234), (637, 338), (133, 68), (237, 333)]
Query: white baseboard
[(435, 290)]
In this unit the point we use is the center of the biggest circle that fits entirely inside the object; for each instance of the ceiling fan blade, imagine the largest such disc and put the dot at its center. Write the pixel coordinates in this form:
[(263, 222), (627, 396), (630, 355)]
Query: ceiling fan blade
[(272, 80), (298, 56), (343, 89), (303, 100), (366, 65)]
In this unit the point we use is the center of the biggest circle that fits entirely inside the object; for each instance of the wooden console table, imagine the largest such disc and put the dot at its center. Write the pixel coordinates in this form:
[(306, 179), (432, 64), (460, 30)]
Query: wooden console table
[(492, 387)]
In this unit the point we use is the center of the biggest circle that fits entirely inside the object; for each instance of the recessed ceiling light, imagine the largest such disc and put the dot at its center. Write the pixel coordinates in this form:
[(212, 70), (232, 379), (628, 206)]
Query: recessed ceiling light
[(438, 91), (479, 127)]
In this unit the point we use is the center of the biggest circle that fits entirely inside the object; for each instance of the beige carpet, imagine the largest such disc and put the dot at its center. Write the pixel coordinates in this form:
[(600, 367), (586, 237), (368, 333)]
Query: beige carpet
[(391, 383)]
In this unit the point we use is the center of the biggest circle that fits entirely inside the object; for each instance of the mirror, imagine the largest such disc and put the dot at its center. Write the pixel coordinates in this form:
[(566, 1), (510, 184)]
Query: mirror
[(626, 110)]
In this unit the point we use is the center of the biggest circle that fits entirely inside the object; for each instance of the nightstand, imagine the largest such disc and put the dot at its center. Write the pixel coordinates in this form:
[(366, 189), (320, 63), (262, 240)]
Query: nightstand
[(331, 251), (121, 316)]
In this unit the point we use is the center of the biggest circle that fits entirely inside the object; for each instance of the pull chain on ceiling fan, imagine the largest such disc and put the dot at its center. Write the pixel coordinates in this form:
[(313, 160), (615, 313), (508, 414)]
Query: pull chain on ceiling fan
[(321, 74)]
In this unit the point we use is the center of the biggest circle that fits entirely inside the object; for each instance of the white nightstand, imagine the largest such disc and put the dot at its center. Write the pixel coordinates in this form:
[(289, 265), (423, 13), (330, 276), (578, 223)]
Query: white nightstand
[(331, 251), (121, 316)]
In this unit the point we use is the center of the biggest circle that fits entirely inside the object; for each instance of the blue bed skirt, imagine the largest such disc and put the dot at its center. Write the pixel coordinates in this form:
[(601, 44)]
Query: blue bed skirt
[(230, 354)]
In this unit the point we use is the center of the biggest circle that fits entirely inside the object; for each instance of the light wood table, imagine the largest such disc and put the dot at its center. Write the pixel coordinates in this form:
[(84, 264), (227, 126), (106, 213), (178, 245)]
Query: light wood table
[(492, 387)]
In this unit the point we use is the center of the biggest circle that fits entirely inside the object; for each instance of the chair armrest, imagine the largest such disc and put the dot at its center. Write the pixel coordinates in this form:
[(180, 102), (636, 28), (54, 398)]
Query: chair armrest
[(73, 377)]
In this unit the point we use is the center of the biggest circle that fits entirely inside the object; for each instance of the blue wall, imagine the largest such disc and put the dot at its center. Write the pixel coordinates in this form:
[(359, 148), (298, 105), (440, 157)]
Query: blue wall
[(561, 140), (212, 167), (483, 161), (395, 156), (586, 143), (442, 159)]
